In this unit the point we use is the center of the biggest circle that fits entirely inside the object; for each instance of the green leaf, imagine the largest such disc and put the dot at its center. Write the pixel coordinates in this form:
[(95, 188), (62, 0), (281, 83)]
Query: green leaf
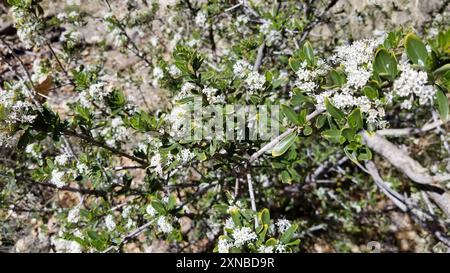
[(307, 130), (332, 135), (287, 235), (309, 53), (271, 242), (416, 50), (355, 119), (349, 133), (290, 114), (442, 69), (442, 103), (370, 92), (294, 63), (158, 206), (320, 121), (265, 217), (385, 64), (286, 177), (284, 144), (334, 112)]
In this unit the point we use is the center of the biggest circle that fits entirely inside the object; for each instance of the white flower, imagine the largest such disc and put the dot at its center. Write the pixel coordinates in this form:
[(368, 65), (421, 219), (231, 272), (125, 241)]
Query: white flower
[(62, 159), (116, 122), (229, 224), (243, 235), (211, 95), (200, 19), (82, 168), (223, 246), (158, 73), (66, 246), (57, 178), (164, 225), (109, 222), (265, 249), (240, 68), (283, 225), (281, 248), (185, 155), (255, 81), (155, 162), (74, 215), (150, 210), (414, 82), (174, 71)]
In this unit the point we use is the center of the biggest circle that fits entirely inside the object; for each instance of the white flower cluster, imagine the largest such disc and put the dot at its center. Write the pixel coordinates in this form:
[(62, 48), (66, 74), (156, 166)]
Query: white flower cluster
[(74, 215), (201, 19), (185, 91), (240, 237), (97, 93), (306, 77), (66, 246), (185, 155), (57, 178), (356, 61), (16, 106), (156, 163), (174, 71), (158, 74), (243, 236), (178, 119), (30, 29), (283, 225), (116, 133), (163, 225), (109, 222), (212, 97), (412, 82), (223, 246), (62, 159), (241, 68), (255, 81)]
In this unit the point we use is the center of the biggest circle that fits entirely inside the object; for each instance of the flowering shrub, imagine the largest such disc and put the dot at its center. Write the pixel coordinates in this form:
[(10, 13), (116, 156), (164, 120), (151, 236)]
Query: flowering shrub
[(246, 149)]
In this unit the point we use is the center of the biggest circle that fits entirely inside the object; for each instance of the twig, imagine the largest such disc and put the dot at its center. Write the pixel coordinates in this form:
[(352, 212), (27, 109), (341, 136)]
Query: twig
[(276, 140), (102, 145), (252, 198)]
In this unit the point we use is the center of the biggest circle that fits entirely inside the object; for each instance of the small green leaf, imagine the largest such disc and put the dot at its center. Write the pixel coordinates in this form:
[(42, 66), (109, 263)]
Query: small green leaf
[(370, 92), (355, 119), (307, 130), (286, 177), (442, 69), (442, 103), (287, 235), (265, 217), (158, 206), (334, 112), (320, 121), (332, 135), (385, 64), (416, 50), (294, 64), (309, 53), (290, 114), (284, 144)]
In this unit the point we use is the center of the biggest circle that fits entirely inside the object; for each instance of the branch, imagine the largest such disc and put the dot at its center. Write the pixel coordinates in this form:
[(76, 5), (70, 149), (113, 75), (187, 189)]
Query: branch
[(276, 140), (409, 131), (88, 139), (411, 168)]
